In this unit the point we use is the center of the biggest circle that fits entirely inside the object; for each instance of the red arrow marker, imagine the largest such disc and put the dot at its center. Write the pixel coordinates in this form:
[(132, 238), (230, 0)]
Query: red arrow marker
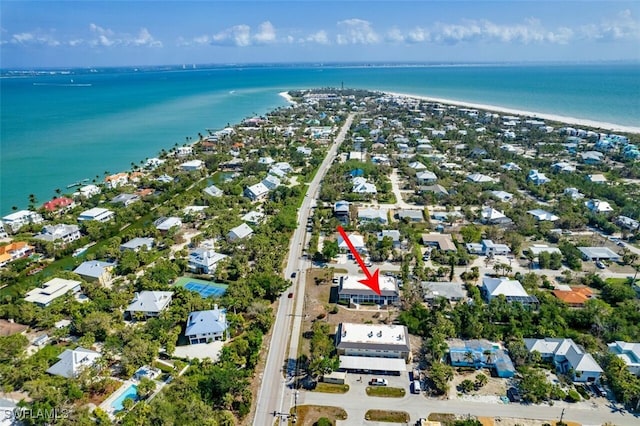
[(372, 280)]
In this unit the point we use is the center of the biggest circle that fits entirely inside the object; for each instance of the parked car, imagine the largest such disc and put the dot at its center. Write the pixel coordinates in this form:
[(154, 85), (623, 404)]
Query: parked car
[(620, 244), (514, 395), (415, 387), (599, 390), (290, 295), (600, 265), (416, 374), (378, 381), (293, 274)]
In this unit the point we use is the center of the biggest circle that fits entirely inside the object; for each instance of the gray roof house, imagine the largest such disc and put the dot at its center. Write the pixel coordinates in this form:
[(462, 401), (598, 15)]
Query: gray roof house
[(629, 353), (426, 177), (66, 233), (206, 326), (73, 361), (125, 199), (213, 191), (239, 232), (394, 234), (451, 291), (271, 182), (149, 303), (411, 215), (256, 192), (568, 357), (95, 270), (137, 243)]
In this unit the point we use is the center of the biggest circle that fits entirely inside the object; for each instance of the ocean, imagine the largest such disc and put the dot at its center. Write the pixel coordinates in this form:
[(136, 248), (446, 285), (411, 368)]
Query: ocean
[(62, 127)]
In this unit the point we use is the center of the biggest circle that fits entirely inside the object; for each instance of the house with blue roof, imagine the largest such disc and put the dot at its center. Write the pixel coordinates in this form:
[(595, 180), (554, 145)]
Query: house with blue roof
[(206, 326), (481, 354)]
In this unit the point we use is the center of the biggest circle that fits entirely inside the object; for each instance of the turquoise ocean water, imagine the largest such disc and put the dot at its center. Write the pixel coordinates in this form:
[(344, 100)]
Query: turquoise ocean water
[(57, 129)]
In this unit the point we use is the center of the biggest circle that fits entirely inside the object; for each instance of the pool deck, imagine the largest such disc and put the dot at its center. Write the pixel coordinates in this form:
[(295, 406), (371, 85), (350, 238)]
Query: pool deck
[(106, 404)]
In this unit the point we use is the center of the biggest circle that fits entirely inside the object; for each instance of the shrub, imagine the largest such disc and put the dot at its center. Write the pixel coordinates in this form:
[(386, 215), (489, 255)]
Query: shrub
[(573, 396), (323, 421)]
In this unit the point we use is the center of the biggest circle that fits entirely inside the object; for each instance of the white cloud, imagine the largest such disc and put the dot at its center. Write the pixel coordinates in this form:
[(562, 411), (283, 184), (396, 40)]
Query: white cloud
[(35, 38), (623, 27), (266, 33), (105, 37), (319, 37), (418, 35), (356, 31), (394, 35), (145, 38), (238, 35)]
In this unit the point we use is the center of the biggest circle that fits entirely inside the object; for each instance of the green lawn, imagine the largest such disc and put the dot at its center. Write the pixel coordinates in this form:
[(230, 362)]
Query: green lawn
[(385, 392), (618, 280), (387, 416), (331, 388)]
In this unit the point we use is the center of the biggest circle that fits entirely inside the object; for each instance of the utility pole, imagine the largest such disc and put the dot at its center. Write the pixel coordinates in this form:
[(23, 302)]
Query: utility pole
[(561, 416)]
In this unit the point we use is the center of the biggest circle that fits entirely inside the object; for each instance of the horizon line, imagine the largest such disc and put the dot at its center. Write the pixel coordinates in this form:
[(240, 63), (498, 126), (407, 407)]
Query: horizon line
[(187, 66)]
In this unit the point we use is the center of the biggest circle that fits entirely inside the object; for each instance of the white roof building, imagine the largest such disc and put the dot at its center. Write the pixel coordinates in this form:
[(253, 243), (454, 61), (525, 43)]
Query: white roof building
[(361, 186), (567, 357), (18, 219), (629, 353), (574, 193), (598, 206), (356, 240), (480, 178), (256, 192), (502, 195), (206, 326), (73, 361), (66, 233), (205, 261), (253, 217), (512, 290), (149, 303), (213, 191), (190, 166), (543, 215), (597, 178), (97, 213), (271, 182), (51, 290), (373, 340), (166, 223), (239, 232)]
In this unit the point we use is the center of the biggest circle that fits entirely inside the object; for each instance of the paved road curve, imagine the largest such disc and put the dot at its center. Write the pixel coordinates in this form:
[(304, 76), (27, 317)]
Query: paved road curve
[(273, 396)]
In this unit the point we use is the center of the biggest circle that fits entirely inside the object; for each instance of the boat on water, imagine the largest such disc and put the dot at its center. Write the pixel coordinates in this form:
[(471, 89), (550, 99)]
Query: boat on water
[(78, 183)]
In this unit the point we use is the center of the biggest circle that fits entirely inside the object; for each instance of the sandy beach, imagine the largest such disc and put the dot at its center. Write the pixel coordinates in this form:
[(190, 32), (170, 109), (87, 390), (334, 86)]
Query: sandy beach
[(551, 117), (287, 97)]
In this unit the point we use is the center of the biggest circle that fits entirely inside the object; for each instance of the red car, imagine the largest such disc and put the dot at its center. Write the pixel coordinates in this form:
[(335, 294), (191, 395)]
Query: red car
[(290, 295)]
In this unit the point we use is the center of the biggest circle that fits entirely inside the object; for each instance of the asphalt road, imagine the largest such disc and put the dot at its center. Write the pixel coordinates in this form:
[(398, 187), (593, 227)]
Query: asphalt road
[(274, 395), (356, 403)]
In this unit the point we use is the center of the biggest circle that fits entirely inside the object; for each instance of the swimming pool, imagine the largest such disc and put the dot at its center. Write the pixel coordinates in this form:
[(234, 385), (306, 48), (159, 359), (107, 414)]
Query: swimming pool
[(131, 392)]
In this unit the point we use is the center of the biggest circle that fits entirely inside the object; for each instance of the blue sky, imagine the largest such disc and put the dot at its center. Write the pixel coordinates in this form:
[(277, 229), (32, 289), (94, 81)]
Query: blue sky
[(95, 33)]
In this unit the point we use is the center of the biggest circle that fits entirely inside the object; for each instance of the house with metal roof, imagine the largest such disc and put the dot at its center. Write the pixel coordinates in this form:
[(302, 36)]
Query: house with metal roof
[(51, 290), (206, 326), (512, 290), (73, 361), (204, 260), (543, 215), (213, 191), (149, 303), (433, 290), (369, 214), (60, 232), (95, 270), (137, 243), (568, 358), (239, 232), (488, 248), (410, 215), (256, 192), (599, 253)]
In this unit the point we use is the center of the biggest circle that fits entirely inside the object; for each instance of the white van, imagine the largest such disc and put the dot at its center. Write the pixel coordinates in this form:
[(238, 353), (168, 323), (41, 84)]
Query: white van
[(416, 387)]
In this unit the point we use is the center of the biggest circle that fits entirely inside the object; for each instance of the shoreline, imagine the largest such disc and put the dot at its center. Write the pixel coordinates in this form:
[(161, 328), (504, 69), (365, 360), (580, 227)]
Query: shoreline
[(551, 117), (288, 97)]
